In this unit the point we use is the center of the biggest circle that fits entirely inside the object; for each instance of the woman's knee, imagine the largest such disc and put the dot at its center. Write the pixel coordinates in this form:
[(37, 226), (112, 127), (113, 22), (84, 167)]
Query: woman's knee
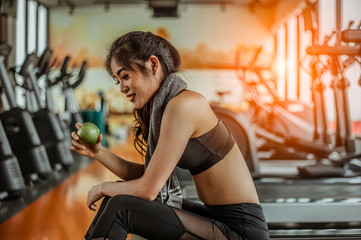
[(122, 202)]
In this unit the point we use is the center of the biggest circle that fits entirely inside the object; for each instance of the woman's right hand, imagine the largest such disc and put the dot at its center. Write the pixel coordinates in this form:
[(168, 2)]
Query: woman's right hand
[(90, 151)]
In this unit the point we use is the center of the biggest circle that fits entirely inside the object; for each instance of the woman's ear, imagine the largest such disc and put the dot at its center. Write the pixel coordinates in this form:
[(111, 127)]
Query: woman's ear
[(154, 64)]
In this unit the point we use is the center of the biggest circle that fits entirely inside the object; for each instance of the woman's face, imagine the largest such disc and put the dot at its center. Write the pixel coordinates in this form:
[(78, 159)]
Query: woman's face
[(136, 86)]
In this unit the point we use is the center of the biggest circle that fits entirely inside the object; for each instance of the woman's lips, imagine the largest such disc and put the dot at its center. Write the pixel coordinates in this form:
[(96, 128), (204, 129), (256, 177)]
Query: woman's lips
[(131, 97)]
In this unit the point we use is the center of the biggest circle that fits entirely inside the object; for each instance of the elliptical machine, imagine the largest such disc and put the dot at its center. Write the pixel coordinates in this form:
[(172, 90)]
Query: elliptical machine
[(71, 113), (44, 69), (283, 130), (273, 120), (11, 179), (46, 122), (345, 156), (21, 132)]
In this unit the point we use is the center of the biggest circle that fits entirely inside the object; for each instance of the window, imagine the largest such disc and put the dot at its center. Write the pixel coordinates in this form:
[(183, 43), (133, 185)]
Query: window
[(42, 29), (20, 51), (31, 29)]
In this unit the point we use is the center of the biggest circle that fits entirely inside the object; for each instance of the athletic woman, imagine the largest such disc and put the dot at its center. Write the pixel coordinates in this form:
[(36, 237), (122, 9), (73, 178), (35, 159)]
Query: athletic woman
[(175, 127)]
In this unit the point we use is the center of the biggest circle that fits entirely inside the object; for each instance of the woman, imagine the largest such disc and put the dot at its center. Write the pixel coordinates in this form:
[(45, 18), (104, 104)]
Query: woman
[(175, 127)]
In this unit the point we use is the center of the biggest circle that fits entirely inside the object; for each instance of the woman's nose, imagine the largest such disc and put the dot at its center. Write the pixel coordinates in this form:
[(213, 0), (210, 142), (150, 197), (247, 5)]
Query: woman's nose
[(123, 88)]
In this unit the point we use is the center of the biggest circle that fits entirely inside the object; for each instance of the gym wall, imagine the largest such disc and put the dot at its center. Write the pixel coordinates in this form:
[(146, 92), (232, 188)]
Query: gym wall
[(206, 36)]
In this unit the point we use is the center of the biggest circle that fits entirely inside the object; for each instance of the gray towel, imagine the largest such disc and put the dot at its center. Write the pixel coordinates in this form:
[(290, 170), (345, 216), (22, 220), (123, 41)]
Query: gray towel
[(171, 193)]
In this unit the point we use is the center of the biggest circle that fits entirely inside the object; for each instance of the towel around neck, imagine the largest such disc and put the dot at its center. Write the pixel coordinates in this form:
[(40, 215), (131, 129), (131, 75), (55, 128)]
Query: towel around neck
[(171, 193)]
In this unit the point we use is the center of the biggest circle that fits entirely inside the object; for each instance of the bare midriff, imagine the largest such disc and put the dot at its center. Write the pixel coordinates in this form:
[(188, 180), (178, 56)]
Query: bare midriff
[(227, 182)]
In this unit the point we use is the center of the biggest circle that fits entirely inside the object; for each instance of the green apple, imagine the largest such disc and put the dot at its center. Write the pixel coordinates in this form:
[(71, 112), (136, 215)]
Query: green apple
[(88, 133)]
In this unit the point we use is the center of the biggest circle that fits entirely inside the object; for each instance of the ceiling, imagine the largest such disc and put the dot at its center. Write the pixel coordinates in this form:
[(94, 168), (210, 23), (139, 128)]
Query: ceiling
[(161, 8), (82, 3)]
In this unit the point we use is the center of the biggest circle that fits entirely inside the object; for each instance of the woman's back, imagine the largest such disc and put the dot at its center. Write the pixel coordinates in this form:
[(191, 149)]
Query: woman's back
[(229, 180)]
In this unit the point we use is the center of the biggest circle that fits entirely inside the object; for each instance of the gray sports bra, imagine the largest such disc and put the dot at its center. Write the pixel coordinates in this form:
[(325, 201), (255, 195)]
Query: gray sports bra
[(206, 150)]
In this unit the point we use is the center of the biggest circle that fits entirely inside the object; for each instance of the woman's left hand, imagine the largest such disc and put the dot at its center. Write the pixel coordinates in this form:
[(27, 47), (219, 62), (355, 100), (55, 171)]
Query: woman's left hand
[(94, 194)]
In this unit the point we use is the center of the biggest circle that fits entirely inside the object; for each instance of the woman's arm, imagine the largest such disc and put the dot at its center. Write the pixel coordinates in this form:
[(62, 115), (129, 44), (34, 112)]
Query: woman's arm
[(180, 120), (124, 169)]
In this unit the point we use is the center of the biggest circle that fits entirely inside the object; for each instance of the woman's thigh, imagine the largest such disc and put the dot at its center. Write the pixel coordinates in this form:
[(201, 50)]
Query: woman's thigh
[(153, 220)]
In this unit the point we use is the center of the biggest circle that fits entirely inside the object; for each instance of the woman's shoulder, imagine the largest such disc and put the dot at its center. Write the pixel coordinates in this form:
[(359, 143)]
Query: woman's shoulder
[(194, 109), (190, 97), (190, 103), (188, 100)]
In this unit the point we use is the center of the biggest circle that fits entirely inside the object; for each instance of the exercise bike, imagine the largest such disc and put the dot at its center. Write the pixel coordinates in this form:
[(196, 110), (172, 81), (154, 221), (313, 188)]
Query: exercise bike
[(281, 130), (47, 123), (21, 131)]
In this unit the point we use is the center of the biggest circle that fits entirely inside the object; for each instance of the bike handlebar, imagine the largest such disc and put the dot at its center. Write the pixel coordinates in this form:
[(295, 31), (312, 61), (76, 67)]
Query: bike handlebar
[(65, 65), (81, 75), (334, 50), (44, 62)]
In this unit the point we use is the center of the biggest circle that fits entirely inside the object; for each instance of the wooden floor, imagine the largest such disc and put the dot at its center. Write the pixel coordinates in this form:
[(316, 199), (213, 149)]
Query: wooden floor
[(62, 213)]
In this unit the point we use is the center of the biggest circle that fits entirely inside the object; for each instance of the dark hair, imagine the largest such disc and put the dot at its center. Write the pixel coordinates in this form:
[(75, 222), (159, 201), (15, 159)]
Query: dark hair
[(131, 51)]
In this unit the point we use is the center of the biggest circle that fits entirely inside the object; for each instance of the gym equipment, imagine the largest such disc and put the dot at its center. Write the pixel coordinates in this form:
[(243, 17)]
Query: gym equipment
[(282, 130), (44, 68), (345, 156), (351, 35), (307, 209), (21, 132), (71, 113), (12, 206), (46, 122), (278, 123), (11, 179)]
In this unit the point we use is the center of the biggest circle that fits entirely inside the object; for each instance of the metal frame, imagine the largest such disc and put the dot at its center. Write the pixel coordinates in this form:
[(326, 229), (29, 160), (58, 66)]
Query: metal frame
[(313, 212)]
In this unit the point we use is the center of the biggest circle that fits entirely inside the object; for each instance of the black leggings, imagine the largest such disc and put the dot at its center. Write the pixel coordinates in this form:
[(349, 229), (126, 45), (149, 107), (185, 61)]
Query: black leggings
[(123, 214)]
